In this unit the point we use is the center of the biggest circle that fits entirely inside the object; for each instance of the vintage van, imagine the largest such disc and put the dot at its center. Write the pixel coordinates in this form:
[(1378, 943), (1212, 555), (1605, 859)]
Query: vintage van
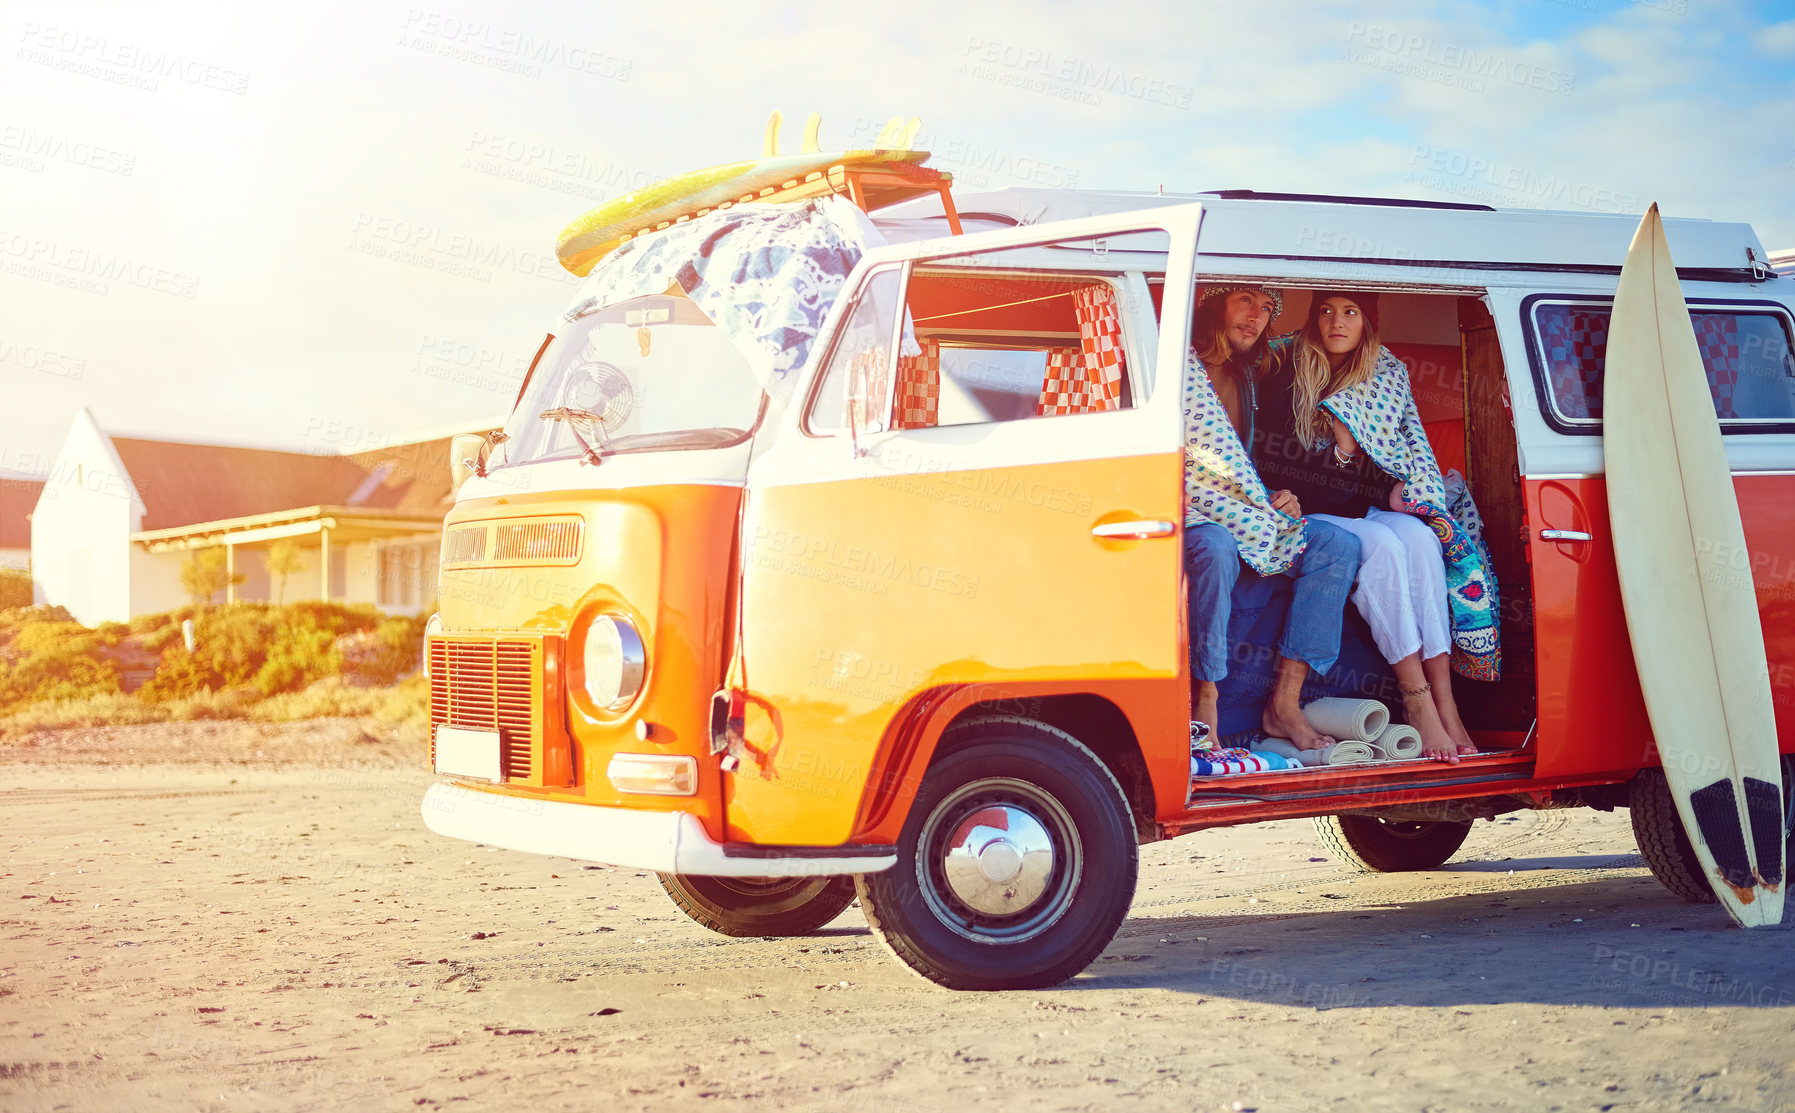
[(912, 626)]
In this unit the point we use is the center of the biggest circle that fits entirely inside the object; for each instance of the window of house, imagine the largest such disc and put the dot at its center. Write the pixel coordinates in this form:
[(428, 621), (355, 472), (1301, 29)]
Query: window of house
[(402, 579), (1746, 352), (1041, 331)]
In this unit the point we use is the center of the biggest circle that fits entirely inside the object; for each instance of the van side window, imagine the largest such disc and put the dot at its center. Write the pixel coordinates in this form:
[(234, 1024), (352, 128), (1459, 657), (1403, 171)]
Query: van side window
[(1746, 352), (1007, 344), (858, 363), (1038, 331)]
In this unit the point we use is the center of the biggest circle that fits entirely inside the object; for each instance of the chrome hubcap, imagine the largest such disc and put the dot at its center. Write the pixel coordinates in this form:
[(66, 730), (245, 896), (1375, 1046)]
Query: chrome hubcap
[(999, 860)]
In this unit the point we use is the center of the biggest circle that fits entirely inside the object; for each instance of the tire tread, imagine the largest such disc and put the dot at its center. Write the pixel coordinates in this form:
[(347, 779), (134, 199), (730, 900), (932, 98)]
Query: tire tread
[(1665, 846), (1349, 837)]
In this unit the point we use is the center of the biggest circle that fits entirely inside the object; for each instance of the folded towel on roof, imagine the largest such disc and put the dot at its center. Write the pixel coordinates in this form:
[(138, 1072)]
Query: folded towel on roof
[(1343, 717), (1400, 742), (1217, 763)]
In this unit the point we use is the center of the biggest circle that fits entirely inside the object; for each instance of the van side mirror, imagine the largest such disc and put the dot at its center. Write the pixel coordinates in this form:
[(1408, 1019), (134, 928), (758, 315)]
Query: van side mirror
[(467, 456)]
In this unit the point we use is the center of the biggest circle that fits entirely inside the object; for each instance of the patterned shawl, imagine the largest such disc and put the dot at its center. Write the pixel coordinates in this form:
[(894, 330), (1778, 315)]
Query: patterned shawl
[(765, 273), (1222, 486), (1381, 414)]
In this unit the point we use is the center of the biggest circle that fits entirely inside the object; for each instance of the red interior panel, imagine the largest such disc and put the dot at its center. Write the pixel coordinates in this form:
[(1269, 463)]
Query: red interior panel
[(1042, 306)]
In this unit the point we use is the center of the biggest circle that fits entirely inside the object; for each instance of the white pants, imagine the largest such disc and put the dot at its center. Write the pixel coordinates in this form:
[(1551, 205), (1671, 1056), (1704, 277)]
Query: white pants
[(1401, 588)]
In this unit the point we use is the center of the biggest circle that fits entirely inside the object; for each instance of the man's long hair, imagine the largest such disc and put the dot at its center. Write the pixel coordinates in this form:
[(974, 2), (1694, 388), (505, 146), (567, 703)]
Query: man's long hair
[(1316, 378), (1210, 329)]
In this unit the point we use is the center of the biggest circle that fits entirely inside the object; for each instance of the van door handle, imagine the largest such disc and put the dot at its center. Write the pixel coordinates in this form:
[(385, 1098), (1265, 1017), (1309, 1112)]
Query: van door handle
[(1564, 535), (1138, 530)]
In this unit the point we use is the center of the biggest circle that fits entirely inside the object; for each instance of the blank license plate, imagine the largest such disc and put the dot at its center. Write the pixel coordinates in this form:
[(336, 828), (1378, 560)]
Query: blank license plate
[(461, 752)]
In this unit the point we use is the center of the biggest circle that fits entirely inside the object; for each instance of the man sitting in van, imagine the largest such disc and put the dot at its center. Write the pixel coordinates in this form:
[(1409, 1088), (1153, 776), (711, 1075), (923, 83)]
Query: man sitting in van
[(1230, 517)]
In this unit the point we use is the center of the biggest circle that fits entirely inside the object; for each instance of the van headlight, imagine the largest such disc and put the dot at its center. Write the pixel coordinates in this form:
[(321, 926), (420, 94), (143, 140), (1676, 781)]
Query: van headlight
[(613, 662)]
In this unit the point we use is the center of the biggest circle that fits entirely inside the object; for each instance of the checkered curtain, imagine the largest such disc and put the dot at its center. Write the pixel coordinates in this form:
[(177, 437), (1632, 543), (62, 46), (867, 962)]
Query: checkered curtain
[(1575, 342), (866, 387), (1087, 379), (919, 387), (1717, 335)]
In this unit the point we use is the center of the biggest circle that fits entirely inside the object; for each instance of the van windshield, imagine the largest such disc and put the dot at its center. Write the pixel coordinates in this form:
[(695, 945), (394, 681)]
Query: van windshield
[(648, 374)]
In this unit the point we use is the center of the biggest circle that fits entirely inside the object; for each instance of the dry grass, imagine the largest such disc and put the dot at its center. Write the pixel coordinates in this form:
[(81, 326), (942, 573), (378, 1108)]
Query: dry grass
[(406, 703), (250, 661)]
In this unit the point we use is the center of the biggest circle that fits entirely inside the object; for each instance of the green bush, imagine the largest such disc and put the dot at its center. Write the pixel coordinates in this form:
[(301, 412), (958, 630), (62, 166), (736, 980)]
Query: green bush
[(244, 655), (15, 588), (55, 660)]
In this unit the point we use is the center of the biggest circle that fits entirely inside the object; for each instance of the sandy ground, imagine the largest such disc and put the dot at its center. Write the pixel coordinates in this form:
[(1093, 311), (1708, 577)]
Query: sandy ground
[(198, 926)]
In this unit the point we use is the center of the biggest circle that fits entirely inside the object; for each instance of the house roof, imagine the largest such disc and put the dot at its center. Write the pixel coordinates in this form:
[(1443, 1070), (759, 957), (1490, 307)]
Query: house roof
[(17, 499), (184, 484)]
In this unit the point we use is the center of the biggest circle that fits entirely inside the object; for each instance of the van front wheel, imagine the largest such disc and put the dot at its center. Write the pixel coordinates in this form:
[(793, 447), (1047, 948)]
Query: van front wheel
[(1016, 864), (1374, 845), (751, 906)]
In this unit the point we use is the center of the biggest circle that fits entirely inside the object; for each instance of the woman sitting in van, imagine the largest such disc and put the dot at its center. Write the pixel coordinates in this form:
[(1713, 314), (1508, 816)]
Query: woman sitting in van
[(1356, 456)]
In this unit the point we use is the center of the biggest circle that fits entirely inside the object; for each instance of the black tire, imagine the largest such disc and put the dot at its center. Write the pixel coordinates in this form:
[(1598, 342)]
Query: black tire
[(1067, 835), (756, 906), (1374, 845), (1663, 843)]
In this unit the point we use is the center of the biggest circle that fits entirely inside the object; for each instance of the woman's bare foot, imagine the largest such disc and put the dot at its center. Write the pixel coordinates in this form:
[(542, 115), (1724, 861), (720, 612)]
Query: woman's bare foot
[(1439, 676), (1286, 720), (1436, 743)]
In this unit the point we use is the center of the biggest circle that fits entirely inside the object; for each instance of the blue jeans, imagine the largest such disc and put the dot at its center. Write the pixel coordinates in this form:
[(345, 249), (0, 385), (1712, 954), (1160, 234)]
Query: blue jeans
[(1323, 574)]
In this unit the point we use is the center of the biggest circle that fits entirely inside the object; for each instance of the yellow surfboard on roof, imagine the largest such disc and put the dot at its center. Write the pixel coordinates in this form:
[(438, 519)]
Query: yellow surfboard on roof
[(588, 239)]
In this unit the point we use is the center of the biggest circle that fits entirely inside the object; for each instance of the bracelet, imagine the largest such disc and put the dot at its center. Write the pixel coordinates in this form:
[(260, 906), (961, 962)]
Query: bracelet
[(1344, 459), (1421, 691)]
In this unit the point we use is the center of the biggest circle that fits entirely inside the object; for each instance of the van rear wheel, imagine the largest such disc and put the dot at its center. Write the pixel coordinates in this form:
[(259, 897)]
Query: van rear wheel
[(1376, 845), (1016, 864), (760, 906)]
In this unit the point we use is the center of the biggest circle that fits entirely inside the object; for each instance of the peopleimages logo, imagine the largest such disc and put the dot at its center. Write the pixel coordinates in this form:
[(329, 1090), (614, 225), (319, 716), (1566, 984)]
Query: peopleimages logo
[(122, 63), (35, 147), (1389, 48), (86, 270), (1042, 71), (471, 40)]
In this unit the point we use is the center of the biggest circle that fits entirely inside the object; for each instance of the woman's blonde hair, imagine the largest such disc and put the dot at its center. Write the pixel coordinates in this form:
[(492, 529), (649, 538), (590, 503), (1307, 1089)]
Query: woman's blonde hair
[(1316, 378)]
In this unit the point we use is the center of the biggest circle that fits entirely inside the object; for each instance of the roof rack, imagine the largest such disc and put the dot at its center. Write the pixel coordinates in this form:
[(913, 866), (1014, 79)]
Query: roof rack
[(1334, 199)]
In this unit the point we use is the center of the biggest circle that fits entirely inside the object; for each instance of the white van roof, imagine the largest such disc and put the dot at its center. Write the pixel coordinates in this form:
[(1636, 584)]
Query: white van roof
[(1244, 225)]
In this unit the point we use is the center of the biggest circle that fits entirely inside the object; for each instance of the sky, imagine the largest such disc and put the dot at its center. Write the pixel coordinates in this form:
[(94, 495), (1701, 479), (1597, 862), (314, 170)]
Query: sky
[(330, 227)]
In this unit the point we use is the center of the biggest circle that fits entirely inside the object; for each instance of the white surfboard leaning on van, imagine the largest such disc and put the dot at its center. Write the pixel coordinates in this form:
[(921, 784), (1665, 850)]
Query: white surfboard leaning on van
[(1693, 619)]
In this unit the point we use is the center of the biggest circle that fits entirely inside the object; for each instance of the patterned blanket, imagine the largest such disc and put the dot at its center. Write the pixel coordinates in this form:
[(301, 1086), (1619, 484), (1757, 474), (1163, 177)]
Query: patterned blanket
[(1222, 486), (765, 274), (1381, 414)]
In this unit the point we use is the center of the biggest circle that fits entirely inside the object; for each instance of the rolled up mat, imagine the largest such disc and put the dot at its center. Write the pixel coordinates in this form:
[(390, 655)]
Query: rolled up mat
[(1340, 753), (1400, 742), (1344, 718), (1351, 752)]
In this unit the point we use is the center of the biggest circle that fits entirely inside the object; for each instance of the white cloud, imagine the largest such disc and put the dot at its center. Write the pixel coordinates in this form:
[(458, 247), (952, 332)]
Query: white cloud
[(1777, 41)]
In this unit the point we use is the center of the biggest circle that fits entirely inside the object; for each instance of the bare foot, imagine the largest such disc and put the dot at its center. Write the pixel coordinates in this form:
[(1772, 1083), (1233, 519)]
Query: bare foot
[(1287, 721), (1454, 726), (1207, 709), (1436, 743), (1439, 675)]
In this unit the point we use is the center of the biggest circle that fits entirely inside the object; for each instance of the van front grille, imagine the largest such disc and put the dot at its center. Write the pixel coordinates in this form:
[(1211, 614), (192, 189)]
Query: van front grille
[(499, 684), (513, 542), (466, 544), (537, 542)]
